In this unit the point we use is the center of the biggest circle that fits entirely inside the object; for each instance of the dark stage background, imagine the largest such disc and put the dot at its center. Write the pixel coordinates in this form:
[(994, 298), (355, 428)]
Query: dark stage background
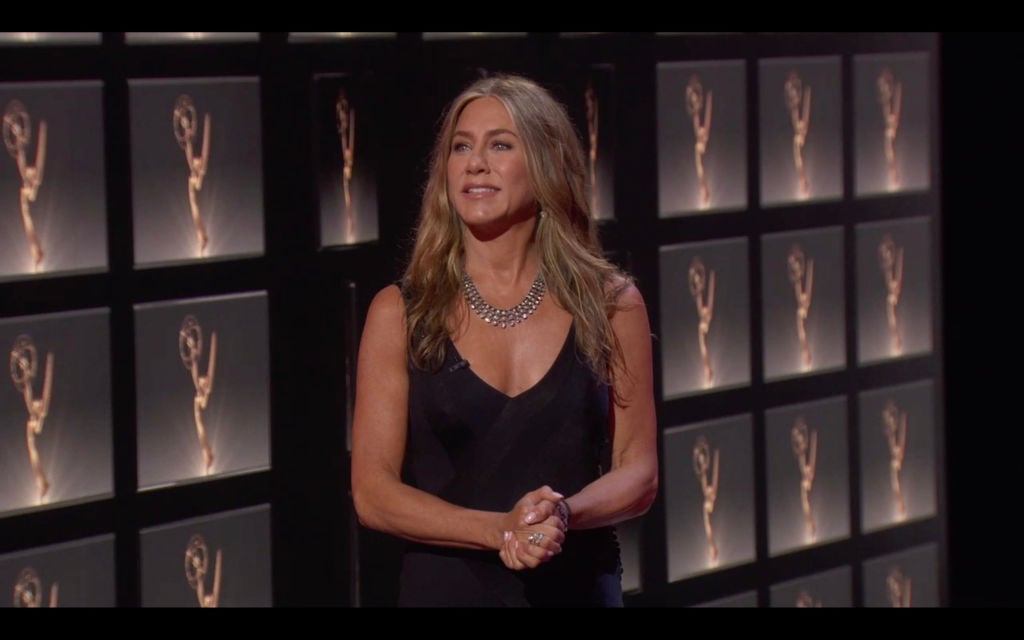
[(280, 228)]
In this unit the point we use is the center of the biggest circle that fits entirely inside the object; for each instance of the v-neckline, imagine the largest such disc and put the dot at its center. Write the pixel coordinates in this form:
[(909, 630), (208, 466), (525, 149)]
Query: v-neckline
[(569, 339)]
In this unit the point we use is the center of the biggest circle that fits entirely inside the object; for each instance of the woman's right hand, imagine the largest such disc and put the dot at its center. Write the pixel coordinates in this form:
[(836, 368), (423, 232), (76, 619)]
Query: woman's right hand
[(535, 533)]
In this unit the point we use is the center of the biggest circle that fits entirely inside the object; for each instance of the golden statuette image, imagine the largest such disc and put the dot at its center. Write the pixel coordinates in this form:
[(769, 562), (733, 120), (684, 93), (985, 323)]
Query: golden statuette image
[(801, 275), (190, 347), (894, 423), (185, 123), (899, 587), (890, 258), (590, 97), (17, 131), (890, 96), (347, 133), (24, 369), (698, 106), (701, 284), (197, 565), (706, 467), (28, 591), (805, 600), (805, 448), (798, 101)]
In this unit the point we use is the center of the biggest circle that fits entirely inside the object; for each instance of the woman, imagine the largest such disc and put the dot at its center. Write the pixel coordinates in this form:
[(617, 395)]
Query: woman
[(504, 417)]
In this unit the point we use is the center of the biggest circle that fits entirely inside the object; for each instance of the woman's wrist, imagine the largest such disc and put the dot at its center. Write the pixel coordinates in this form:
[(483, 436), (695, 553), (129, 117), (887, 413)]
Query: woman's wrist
[(564, 512)]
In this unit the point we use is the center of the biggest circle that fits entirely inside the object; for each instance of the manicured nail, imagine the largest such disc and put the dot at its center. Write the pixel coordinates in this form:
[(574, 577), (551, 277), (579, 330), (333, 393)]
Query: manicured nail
[(530, 517), (558, 495), (508, 534)]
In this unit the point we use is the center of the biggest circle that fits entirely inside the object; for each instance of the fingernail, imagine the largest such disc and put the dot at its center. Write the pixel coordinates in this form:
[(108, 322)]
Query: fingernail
[(508, 534), (551, 553), (558, 495), (530, 517)]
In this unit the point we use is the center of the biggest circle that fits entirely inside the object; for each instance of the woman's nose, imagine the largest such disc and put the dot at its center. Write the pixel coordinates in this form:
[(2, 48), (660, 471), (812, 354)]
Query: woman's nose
[(476, 162)]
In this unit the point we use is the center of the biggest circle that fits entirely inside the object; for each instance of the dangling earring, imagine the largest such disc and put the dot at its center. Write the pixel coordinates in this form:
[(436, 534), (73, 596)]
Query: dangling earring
[(542, 214)]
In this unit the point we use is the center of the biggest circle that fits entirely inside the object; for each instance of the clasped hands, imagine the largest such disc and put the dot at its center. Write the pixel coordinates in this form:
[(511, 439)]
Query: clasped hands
[(534, 531)]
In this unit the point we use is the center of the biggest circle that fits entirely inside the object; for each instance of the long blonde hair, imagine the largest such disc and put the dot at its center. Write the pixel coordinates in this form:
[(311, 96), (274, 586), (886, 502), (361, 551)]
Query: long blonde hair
[(574, 267)]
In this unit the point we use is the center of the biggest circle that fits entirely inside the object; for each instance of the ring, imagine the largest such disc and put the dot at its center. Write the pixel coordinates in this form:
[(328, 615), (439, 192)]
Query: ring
[(535, 538)]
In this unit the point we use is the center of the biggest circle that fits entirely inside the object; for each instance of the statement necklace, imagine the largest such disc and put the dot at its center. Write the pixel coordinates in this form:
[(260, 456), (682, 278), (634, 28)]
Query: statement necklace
[(503, 318)]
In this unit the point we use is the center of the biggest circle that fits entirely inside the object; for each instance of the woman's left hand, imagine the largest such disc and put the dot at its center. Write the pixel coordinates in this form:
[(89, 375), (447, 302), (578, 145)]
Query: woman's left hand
[(537, 538)]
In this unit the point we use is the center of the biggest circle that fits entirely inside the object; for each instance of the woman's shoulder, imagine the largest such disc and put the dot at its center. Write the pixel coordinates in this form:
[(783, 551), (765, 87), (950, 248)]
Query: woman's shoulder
[(623, 290), (387, 307)]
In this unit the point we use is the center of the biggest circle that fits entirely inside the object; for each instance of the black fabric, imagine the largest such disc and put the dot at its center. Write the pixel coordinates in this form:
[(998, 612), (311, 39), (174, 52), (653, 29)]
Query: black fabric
[(472, 445)]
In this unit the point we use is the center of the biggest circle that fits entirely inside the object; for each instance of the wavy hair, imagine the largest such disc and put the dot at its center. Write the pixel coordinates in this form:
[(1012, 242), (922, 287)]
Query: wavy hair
[(577, 274)]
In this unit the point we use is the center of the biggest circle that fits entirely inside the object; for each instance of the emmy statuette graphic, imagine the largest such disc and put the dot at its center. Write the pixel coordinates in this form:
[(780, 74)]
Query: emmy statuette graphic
[(894, 424), (798, 101), (28, 591), (890, 259), (805, 448), (801, 275), (190, 347), (899, 587), (590, 97), (17, 133), (700, 283), (185, 122), (706, 467), (197, 565), (24, 366), (890, 96), (697, 104), (347, 133)]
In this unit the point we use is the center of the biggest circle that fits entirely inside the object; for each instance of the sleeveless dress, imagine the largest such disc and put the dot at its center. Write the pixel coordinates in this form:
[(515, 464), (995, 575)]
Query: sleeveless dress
[(472, 445)]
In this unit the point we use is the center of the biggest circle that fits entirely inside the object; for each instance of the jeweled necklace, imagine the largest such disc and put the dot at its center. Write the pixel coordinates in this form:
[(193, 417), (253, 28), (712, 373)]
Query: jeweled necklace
[(503, 318)]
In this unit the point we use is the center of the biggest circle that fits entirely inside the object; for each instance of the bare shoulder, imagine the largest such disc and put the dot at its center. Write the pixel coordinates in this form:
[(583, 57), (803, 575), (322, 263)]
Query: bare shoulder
[(632, 328), (625, 293), (387, 307), (385, 319)]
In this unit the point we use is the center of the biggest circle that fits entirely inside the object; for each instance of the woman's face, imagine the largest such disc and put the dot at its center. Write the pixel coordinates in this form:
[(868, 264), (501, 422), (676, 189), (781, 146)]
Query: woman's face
[(488, 180)]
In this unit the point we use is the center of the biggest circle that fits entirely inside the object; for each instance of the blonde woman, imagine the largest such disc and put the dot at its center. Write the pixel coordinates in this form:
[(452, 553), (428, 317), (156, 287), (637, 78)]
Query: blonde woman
[(505, 417)]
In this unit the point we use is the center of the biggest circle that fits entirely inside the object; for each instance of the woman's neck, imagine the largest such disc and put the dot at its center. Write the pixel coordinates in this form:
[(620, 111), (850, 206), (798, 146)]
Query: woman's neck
[(503, 261)]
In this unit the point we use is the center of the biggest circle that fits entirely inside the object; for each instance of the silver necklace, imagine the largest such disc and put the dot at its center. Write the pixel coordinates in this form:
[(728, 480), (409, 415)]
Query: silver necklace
[(503, 318)]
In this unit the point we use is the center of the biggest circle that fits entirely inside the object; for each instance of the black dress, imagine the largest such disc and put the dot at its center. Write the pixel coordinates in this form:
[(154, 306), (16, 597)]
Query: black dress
[(472, 445)]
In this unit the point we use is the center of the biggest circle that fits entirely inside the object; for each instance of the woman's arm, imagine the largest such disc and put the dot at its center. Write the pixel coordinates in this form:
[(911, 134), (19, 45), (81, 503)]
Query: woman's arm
[(630, 487)]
